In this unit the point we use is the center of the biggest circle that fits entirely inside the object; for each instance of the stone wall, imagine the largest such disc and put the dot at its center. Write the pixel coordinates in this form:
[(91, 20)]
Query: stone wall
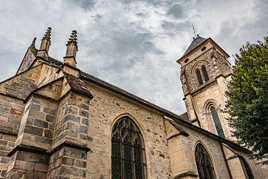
[(48, 74), (37, 123), (21, 85), (211, 95), (10, 115), (11, 110), (70, 138), (7, 142), (28, 59), (104, 109), (31, 153), (184, 148), (68, 162), (72, 121), (28, 164)]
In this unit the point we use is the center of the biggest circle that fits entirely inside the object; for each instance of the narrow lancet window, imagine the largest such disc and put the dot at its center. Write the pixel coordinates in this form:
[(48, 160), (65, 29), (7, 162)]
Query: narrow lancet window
[(217, 121), (203, 163), (128, 156), (205, 73), (199, 77)]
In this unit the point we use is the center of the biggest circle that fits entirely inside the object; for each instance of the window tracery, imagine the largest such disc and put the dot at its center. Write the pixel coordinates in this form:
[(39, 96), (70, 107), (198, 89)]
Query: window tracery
[(128, 155), (203, 163)]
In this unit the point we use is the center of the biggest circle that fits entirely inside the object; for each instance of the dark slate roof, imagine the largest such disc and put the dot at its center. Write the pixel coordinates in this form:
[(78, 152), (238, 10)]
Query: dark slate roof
[(195, 43)]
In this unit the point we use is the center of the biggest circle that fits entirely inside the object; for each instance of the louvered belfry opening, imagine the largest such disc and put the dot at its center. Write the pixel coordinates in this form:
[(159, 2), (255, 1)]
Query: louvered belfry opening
[(203, 163), (199, 77), (205, 73), (128, 154)]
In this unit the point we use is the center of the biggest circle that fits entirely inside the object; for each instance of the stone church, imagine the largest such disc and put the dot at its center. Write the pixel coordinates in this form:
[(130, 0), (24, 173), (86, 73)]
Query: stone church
[(58, 122)]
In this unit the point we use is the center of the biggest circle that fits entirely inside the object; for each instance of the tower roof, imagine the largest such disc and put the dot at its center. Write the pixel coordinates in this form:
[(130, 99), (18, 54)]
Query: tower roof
[(195, 43)]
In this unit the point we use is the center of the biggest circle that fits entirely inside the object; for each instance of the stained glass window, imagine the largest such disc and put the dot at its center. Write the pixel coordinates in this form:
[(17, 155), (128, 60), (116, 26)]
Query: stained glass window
[(205, 73), (128, 159), (246, 168), (217, 121), (199, 77), (203, 163)]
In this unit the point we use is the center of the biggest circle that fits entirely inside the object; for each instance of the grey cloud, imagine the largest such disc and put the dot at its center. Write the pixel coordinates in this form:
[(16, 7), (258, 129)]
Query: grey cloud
[(177, 10), (133, 42), (140, 14), (151, 2), (249, 32), (176, 26), (84, 4), (7, 61)]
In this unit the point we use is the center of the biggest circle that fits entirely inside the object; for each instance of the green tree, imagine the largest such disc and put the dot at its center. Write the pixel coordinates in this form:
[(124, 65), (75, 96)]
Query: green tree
[(247, 95)]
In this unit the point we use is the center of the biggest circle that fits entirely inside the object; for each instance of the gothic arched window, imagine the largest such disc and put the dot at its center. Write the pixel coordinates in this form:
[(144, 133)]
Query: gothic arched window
[(205, 73), (203, 163), (128, 155), (199, 77), (217, 121), (246, 168)]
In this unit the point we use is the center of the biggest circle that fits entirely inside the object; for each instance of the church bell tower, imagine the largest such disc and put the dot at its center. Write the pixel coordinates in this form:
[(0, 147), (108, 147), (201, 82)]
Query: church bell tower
[(205, 72)]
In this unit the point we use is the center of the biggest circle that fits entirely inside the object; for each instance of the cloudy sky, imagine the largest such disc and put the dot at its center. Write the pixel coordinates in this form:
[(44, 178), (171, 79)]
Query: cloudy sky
[(133, 44)]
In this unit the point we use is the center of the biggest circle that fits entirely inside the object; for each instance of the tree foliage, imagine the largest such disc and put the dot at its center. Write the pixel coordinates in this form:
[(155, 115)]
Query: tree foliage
[(247, 95)]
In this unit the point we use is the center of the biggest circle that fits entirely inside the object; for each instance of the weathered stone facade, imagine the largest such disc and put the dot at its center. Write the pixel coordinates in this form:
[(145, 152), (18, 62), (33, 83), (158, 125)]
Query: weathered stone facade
[(56, 122)]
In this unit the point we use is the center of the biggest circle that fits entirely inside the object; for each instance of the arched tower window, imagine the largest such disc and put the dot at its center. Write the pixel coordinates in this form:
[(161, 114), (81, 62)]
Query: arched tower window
[(217, 121), (203, 163), (128, 156), (246, 168), (205, 73), (199, 77)]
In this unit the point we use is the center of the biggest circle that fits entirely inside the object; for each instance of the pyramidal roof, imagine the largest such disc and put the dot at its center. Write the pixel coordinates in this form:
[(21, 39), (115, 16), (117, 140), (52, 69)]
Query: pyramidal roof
[(195, 43)]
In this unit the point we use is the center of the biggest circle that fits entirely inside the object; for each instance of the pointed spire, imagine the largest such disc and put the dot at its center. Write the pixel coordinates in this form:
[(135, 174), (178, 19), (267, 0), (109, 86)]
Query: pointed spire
[(73, 38), (47, 34), (32, 46), (45, 43), (72, 49), (33, 42)]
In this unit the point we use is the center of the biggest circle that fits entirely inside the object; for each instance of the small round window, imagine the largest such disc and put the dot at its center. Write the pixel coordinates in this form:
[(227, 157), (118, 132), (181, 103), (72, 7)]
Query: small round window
[(186, 60), (204, 48)]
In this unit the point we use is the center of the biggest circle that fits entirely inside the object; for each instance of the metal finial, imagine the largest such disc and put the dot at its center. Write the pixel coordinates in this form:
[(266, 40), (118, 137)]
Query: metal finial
[(194, 32)]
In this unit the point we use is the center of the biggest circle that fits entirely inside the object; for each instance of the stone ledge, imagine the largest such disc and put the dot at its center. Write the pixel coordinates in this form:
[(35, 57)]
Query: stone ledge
[(185, 174), (38, 150), (72, 145), (32, 149)]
